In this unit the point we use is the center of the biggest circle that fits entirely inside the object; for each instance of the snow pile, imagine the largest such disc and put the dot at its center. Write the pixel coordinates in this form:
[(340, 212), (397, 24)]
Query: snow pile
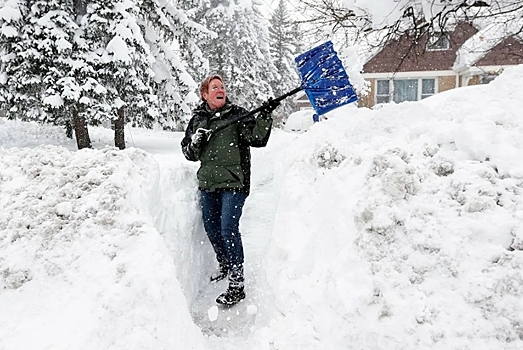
[(82, 265), (398, 228), (401, 228)]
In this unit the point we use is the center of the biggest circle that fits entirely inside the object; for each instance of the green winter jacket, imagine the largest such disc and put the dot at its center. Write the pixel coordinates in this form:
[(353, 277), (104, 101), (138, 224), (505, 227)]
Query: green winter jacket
[(225, 158)]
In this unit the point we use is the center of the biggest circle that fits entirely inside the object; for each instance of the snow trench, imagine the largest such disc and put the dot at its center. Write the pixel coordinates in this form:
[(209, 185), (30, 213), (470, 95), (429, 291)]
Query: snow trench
[(178, 219), (106, 249)]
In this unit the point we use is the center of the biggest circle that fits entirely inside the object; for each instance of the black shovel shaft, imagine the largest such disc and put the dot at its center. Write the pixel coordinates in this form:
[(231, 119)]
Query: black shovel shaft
[(257, 110)]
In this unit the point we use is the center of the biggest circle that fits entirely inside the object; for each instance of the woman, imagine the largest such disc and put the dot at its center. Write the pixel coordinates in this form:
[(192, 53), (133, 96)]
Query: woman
[(224, 175)]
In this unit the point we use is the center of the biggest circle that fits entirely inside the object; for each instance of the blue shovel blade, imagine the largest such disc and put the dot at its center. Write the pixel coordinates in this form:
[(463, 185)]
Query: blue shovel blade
[(324, 79)]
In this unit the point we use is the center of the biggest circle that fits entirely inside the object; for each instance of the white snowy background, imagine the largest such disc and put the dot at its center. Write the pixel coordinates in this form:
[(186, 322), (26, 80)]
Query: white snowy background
[(394, 228)]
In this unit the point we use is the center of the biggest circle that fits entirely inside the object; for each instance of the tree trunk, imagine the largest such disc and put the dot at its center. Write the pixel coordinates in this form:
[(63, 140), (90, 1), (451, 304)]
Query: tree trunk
[(69, 129), (80, 7), (119, 124), (81, 131)]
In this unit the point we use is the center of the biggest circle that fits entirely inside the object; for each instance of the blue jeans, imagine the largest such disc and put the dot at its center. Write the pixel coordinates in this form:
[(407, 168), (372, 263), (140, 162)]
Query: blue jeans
[(221, 213)]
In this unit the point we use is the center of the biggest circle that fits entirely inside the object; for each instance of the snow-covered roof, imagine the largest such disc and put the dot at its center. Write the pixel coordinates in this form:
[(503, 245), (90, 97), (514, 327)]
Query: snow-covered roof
[(477, 46)]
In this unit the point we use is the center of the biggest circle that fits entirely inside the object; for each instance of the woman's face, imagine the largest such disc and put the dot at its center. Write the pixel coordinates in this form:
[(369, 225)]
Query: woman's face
[(215, 95)]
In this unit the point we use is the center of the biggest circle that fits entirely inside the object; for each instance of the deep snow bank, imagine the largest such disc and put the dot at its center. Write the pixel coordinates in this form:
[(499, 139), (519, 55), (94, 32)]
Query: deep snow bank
[(177, 217), (401, 228), (82, 265), (398, 228)]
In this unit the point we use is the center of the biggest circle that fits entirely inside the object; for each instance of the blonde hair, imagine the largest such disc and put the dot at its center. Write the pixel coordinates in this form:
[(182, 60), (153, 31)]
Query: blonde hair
[(204, 86)]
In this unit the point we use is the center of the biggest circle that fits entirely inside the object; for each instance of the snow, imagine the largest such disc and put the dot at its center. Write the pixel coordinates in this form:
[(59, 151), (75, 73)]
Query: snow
[(396, 228), (119, 49), (213, 313), (53, 100), (9, 31), (10, 11), (381, 13), (299, 121)]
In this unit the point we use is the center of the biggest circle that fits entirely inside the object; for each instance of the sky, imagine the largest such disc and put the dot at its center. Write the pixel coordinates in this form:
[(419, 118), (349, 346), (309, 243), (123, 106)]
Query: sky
[(393, 228)]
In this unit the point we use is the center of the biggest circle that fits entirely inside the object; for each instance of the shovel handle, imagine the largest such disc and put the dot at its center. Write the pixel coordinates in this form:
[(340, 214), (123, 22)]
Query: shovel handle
[(253, 112), (290, 93)]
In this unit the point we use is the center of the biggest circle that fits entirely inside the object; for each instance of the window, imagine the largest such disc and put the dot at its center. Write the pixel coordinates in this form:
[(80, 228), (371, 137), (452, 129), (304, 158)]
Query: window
[(428, 87), (438, 41), (402, 90), (405, 90), (383, 91)]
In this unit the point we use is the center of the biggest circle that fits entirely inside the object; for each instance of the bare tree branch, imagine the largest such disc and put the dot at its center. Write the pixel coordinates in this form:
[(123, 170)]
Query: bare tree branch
[(330, 17)]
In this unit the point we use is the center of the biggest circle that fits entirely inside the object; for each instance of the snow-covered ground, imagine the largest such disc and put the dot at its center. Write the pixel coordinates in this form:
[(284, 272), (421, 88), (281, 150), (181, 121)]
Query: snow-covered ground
[(399, 228)]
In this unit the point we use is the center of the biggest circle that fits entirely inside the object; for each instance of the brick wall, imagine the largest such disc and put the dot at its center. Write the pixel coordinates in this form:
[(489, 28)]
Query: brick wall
[(446, 83), (368, 100)]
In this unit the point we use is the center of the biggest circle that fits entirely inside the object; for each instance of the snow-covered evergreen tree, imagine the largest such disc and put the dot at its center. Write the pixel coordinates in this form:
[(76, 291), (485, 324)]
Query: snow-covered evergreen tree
[(122, 62), (197, 62), (94, 59), (18, 84), (267, 70), (283, 50), (50, 37), (38, 62), (297, 38), (216, 16), (172, 37), (240, 51)]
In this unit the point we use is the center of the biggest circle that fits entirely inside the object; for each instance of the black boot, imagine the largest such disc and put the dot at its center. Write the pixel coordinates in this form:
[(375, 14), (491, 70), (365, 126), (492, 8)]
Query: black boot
[(232, 295), (222, 272)]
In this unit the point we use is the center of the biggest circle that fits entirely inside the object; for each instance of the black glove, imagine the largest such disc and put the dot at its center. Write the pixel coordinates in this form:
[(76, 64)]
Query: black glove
[(269, 106), (198, 138)]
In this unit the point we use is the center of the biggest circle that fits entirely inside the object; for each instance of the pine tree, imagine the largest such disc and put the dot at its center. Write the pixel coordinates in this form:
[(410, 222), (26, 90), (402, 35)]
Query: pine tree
[(41, 58), (120, 64), (240, 51), (217, 48), (197, 63), (268, 72), (93, 61), (50, 39), (169, 28), (16, 87), (283, 50), (80, 87)]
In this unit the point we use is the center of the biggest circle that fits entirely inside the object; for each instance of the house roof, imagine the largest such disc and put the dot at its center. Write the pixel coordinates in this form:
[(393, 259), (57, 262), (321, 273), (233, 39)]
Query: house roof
[(480, 44), (402, 55), (470, 44), (300, 96)]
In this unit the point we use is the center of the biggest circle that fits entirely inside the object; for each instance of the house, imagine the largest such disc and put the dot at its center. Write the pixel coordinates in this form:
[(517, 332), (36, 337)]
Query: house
[(464, 55), (301, 101)]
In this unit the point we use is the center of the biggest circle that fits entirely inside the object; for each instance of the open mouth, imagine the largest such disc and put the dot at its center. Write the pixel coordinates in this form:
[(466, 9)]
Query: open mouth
[(219, 97)]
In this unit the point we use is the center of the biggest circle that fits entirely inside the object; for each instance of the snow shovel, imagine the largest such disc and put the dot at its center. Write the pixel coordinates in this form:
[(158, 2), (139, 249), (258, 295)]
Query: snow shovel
[(323, 78)]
